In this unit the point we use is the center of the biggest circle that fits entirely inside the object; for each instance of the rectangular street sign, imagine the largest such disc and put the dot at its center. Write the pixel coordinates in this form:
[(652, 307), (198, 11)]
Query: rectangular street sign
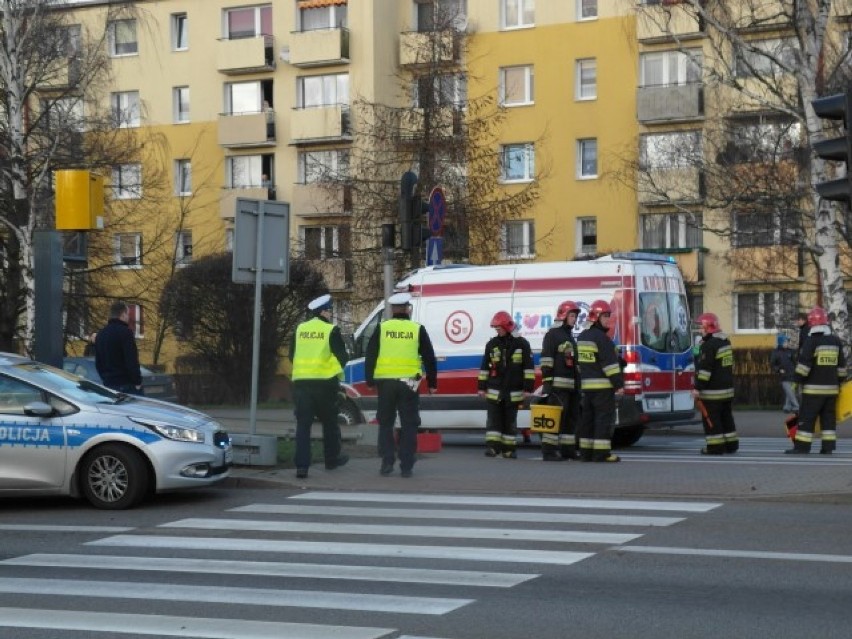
[(434, 250), (264, 224)]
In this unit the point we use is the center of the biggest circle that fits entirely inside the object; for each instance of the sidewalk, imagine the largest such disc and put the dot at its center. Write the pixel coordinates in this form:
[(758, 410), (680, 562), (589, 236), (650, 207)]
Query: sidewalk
[(464, 469)]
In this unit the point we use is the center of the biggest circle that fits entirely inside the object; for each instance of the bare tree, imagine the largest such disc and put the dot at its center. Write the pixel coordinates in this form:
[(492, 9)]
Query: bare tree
[(759, 65)]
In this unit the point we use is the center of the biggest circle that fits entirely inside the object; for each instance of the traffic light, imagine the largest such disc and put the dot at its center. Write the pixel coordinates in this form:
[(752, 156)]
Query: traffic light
[(836, 107), (407, 185)]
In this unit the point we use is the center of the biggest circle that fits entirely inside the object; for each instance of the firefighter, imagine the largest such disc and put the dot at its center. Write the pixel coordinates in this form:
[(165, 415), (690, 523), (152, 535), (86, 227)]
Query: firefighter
[(318, 354), (506, 378), (820, 370), (602, 384), (393, 364), (714, 387), (559, 380)]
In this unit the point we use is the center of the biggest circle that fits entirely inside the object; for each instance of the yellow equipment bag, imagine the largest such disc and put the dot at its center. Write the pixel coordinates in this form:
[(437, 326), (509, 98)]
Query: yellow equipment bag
[(545, 419), (844, 402)]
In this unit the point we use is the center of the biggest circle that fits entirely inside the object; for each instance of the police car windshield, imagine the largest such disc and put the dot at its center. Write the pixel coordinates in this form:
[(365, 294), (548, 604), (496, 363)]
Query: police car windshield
[(59, 381)]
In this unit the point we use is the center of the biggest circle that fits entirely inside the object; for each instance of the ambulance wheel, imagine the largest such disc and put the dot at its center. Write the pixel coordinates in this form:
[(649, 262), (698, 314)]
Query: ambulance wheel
[(626, 437), (114, 477), (347, 414)]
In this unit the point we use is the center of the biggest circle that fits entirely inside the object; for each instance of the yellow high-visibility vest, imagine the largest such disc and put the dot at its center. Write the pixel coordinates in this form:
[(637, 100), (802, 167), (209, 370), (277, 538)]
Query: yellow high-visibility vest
[(399, 345), (313, 358)]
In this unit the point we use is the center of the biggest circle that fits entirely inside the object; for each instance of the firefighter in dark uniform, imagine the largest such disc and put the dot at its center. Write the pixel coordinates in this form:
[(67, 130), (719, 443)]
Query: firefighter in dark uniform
[(393, 364), (318, 354), (559, 380), (506, 378), (820, 370), (601, 382), (714, 387)]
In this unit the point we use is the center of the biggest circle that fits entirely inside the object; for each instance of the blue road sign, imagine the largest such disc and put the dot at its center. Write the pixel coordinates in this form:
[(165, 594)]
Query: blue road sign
[(434, 250), (437, 211)]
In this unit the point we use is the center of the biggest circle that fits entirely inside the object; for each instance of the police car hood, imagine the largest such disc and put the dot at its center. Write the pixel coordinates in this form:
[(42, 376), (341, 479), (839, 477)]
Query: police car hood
[(142, 408)]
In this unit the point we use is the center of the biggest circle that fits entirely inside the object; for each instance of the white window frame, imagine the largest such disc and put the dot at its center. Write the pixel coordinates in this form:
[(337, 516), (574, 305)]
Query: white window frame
[(336, 17), (582, 248), (526, 250), (587, 10), (125, 240), (447, 90), (676, 68), (180, 95), (528, 150), (131, 45), (126, 109), (583, 89), (583, 146), (180, 32), (761, 55), (676, 230), (258, 22), (528, 89), (332, 93), (325, 252), (779, 312), (183, 247), (183, 177), (127, 182), (251, 165), (523, 7), (249, 97), (136, 320), (229, 240), (677, 149), (321, 166)]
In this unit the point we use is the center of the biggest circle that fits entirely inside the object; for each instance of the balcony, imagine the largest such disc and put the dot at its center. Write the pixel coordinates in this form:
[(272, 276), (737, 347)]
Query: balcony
[(416, 125), (320, 47), (670, 103), (428, 48), (247, 130), (228, 201), (767, 15), (320, 200), (758, 94), (336, 271), (246, 55), (843, 10), (62, 74), (318, 125), (659, 187), (663, 22), (758, 264)]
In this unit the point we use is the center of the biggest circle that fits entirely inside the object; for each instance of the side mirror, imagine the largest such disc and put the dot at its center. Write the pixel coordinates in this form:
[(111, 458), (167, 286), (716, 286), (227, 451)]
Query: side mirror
[(38, 409)]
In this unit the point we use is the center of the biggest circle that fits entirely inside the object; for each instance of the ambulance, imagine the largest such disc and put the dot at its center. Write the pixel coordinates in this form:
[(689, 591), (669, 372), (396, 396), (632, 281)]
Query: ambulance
[(650, 325)]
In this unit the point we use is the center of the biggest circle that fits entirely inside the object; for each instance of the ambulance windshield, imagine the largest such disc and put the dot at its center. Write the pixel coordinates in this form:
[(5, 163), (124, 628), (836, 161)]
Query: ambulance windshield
[(664, 322)]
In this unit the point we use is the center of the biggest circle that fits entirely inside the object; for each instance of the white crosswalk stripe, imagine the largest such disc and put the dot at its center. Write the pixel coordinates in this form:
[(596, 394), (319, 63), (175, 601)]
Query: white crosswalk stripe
[(266, 542)]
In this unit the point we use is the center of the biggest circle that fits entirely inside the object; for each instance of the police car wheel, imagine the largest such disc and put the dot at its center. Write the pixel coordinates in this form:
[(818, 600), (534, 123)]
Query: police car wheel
[(347, 415), (113, 477)]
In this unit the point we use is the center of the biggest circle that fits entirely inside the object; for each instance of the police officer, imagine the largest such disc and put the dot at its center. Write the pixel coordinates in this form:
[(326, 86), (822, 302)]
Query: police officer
[(506, 378), (601, 381), (318, 354), (559, 380), (714, 387), (393, 364), (820, 370)]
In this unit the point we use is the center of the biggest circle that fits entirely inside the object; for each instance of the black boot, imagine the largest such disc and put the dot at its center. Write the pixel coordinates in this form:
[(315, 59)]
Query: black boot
[(569, 452), (549, 454)]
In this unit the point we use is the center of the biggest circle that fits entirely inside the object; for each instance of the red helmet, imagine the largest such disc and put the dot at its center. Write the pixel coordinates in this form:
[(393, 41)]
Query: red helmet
[(566, 307), (709, 322), (503, 320), (818, 317), (598, 308)]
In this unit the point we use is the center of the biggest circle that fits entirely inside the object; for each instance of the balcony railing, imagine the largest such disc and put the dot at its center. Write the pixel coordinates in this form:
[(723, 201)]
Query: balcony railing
[(319, 47), (316, 125), (662, 21), (765, 264), (668, 103), (431, 47), (246, 55), (247, 129), (336, 271), (228, 200), (669, 185), (320, 200), (62, 74)]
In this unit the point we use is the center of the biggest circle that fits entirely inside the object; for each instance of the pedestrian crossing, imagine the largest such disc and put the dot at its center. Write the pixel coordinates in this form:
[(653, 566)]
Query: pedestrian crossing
[(273, 570)]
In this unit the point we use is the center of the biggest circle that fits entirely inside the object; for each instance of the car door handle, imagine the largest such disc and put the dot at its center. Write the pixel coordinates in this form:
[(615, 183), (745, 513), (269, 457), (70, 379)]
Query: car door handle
[(73, 431)]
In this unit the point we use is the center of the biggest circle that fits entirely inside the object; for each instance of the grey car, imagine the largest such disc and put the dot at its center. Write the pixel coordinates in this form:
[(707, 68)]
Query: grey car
[(61, 434), (156, 385)]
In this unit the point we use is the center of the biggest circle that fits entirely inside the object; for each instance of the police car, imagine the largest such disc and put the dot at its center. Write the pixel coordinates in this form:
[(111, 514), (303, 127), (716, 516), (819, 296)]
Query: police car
[(64, 435)]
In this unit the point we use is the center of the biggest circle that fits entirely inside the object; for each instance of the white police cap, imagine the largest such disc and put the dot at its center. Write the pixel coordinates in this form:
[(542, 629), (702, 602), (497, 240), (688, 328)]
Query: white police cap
[(399, 299), (321, 303)]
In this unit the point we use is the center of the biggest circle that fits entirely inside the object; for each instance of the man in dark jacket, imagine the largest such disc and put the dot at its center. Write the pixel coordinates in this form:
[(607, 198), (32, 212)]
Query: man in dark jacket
[(116, 356), (506, 378), (602, 382), (560, 381), (782, 362), (714, 387), (820, 370)]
